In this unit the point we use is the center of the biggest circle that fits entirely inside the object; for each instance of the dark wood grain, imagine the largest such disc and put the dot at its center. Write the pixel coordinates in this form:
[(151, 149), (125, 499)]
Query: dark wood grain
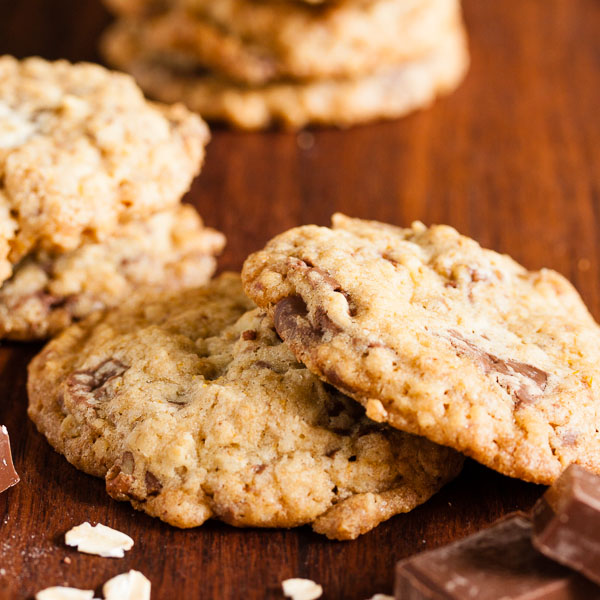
[(511, 159)]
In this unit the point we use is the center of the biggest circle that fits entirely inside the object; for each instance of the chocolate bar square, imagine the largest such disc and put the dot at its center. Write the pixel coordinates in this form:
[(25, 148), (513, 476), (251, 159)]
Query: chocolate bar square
[(566, 522)]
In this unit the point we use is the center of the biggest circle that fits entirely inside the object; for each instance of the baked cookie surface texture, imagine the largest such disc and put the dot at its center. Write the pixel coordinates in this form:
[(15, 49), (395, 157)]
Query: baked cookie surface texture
[(48, 291), (191, 408), (442, 338), (82, 152), (391, 91)]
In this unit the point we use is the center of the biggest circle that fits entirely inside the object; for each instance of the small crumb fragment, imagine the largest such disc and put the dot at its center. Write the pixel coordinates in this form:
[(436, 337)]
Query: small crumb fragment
[(67, 560), (301, 589), (100, 540), (64, 593), (381, 597), (127, 586)]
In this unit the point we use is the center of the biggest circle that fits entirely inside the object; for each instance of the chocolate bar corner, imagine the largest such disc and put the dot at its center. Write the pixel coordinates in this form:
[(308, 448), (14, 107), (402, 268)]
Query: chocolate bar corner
[(566, 522), (498, 562)]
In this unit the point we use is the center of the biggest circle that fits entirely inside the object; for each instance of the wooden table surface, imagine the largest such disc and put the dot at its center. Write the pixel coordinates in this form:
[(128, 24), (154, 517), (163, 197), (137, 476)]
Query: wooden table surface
[(511, 159)]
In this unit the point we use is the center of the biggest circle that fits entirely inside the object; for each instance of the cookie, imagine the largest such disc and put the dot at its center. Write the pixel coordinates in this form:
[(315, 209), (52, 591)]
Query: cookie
[(345, 39), (191, 408), (390, 92), (81, 152), (47, 292), (320, 43), (442, 338)]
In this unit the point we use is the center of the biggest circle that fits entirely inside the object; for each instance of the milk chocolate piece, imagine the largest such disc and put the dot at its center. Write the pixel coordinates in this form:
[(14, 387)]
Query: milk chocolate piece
[(566, 522), (497, 563), (8, 475)]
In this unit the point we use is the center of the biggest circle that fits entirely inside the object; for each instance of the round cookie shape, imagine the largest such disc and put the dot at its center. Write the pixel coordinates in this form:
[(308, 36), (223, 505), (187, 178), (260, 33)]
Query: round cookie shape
[(169, 250), (191, 408), (442, 338), (389, 92), (82, 151)]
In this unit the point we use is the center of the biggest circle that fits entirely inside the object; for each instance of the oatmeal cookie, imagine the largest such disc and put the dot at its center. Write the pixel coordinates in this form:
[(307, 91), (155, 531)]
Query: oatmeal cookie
[(191, 407), (392, 91), (47, 292), (329, 45), (442, 338), (81, 152)]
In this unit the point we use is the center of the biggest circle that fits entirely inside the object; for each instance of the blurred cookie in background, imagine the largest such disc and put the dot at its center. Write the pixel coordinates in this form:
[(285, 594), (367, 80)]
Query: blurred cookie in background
[(254, 64)]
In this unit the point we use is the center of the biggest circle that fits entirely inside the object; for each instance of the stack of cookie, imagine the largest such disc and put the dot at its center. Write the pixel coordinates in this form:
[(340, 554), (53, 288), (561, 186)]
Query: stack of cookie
[(376, 358), (255, 62), (91, 180)]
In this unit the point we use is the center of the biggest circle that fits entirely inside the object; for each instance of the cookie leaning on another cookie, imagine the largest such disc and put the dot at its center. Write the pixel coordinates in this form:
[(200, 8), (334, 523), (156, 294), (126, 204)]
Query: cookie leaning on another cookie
[(81, 152), (440, 337), (191, 408)]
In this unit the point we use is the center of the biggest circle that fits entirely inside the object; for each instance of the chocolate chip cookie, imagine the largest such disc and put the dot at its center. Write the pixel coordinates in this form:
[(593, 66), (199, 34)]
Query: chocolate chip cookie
[(442, 338), (82, 152), (170, 250), (191, 408), (388, 92)]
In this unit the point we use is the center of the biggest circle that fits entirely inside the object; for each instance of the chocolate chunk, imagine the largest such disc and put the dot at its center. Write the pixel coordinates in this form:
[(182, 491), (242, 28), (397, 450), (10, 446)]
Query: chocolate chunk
[(153, 485), (566, 522), (535, 379), (327, 277), (332, 282), (497, 563), (323, 322), (249, 334), (90, 384), (291, 322), (8, 475), (120, 481)]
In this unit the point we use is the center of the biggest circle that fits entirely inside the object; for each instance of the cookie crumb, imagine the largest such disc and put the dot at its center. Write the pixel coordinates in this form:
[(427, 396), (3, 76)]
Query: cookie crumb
[(301, 589), (66, 560), (132, 585), (100, 540)]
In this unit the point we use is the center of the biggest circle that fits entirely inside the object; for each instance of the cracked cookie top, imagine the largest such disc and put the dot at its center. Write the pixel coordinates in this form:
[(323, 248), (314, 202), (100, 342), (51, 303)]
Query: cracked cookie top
[(440, 337), (191, 407), (82, 151)]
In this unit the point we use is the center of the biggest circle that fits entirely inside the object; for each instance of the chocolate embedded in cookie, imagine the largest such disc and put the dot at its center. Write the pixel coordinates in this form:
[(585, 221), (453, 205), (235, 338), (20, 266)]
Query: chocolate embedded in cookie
[(440, 337), (47, 292), (191, 407)]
